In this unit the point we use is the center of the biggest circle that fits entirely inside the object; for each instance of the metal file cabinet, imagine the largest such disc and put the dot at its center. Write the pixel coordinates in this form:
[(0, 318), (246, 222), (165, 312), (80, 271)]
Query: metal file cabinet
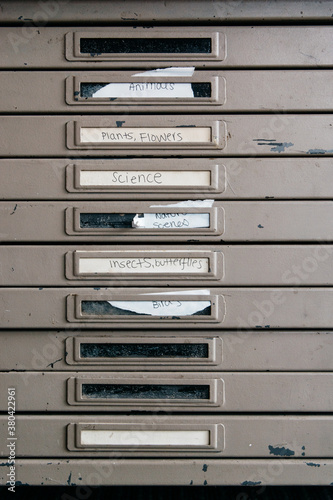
[(166, 224)]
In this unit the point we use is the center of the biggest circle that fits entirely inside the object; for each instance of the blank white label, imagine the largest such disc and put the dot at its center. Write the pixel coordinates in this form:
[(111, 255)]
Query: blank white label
[(142, 135), (145, 90), (144, 438), (143, 265), (145, 178)]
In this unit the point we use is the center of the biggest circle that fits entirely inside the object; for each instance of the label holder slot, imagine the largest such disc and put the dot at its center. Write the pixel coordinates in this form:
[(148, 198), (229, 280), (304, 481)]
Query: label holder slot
[(217, 309)]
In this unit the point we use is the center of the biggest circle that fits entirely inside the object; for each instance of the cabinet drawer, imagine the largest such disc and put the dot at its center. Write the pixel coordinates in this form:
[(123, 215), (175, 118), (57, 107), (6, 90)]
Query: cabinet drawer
[(163, 265), (189, 221), (162, 47), (214, 308), (166, 179), (177, 391), (203, 91), (166, 135), (175, 350), (211, 437)]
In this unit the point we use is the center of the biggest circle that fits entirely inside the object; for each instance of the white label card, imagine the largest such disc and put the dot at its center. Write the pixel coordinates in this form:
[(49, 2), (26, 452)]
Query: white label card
[(143, 265), (145, 90), (146, 135), (172, 221), (162, 307), (146, 178)]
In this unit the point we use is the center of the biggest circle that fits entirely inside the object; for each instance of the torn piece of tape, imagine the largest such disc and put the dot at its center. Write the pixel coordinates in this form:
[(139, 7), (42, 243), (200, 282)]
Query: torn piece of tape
[(162, 307), (171, 71), (171, 221), (183, 292), (189, 203), (145, 90)]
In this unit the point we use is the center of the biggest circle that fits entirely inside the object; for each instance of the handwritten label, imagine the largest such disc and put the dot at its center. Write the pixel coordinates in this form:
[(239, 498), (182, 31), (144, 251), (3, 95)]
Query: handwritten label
[(145, 178), (149, 135), (152, 265), (172, 220), (145, 90), (162, 307)]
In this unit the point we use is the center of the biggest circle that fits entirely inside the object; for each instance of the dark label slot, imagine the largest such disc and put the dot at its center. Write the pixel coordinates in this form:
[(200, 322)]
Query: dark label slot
[(138, 391), (200, 90), (104, 308), (143, 350), (103, 221), (145, 45)]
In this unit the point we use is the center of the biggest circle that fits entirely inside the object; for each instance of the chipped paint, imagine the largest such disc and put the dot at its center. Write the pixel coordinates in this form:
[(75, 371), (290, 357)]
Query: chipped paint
[(205, 467), (250, 483), (312, 464), (280, 451), (280, 147), (318, 151)]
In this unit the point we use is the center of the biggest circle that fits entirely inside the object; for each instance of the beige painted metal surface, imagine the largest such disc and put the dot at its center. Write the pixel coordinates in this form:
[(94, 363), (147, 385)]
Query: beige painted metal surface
[(233, 436), (230, 178), (213, 308), (204, 91), (206, 221), (256, 350), (230, 46), (188, 135), (223, 472), (198, 265), (34, 12)]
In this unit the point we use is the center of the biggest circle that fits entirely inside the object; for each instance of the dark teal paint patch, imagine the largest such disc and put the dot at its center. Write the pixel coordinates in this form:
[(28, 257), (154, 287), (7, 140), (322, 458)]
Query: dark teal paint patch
[(319, 151), (280, 147), (281, 452)]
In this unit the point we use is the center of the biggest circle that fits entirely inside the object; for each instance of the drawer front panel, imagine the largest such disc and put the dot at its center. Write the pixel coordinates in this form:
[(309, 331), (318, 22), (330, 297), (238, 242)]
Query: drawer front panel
[(164, 179), (244, 47), (202, 91), (166, 135), (177, 392), (159, 351)]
